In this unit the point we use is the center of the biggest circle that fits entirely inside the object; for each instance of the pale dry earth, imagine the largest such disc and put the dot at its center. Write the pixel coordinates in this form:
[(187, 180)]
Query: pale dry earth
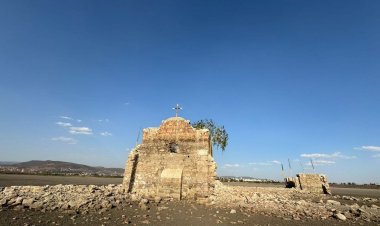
[(177, 213), (110, 205)]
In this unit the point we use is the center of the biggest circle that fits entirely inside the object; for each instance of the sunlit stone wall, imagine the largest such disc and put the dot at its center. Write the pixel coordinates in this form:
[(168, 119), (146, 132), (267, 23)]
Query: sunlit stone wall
[(173, 161)]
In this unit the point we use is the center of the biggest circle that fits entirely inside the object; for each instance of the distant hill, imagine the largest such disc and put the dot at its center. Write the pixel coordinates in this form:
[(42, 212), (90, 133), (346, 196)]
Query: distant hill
[(58, 168), (48, 164), (3, 163)]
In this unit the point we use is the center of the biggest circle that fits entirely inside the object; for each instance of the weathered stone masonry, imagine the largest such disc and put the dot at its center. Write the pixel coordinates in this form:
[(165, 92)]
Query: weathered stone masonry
[(173, 161), (316, 183)]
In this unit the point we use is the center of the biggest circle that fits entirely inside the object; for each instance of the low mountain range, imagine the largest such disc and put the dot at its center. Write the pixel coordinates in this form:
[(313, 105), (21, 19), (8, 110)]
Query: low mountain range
[(57, 168)]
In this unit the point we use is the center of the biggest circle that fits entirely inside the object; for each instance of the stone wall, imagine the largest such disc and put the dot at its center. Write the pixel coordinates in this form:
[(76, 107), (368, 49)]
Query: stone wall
[(316, 183), (173, 161)]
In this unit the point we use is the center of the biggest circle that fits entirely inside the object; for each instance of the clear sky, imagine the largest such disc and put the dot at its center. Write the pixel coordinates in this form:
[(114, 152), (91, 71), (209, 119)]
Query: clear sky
[(288, 79)]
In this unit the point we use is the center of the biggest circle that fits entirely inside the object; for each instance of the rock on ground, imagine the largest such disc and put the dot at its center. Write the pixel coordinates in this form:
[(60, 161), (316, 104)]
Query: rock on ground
[(284, 203)]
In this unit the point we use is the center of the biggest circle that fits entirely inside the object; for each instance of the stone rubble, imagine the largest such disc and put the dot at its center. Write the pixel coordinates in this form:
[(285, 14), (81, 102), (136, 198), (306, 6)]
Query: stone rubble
[(292, 203), (77, 198), (288, 204), (340, 216)]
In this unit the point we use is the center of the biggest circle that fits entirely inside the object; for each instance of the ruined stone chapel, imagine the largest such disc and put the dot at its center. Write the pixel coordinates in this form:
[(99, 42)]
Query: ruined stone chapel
[(173, 161)]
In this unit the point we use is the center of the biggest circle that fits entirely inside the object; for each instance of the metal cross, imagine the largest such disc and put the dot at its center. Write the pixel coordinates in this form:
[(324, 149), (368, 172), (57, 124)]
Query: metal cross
[(177, 109)]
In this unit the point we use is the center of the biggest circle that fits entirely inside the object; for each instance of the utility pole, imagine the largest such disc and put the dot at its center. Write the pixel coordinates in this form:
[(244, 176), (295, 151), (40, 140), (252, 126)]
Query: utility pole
[(312, 165), (282, 171)]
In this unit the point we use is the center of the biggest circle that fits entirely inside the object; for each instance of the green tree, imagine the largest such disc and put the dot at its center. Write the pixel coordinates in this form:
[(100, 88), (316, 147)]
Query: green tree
[(219, 135)]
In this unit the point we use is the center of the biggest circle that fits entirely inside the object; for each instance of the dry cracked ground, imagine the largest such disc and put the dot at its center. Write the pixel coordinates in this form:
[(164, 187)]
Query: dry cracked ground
[(110, 205)]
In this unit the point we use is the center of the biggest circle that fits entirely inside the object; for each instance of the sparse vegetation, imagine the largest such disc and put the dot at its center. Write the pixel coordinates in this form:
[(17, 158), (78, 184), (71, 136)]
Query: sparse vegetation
[(219, 135)]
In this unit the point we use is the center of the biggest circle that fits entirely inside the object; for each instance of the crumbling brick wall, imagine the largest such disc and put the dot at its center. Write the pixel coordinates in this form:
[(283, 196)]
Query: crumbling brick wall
[(174, 160)]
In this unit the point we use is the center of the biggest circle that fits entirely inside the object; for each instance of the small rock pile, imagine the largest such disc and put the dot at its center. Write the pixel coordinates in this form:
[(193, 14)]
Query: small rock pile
[(293, 204), (77, 198)]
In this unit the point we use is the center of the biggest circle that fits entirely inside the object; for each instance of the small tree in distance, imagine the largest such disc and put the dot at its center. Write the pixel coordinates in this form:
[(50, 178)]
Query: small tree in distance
[(219, 135)]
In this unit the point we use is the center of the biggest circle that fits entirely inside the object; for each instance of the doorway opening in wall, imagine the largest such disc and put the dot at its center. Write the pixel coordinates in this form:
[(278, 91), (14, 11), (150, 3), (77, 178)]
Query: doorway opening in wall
[(290, 184)]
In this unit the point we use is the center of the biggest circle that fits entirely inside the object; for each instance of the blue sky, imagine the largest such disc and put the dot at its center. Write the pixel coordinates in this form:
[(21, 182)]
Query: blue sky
[(288, 79)]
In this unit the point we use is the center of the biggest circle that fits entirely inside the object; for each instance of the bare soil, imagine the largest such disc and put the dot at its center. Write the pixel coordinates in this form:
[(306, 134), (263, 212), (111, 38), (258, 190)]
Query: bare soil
[(177, 213)]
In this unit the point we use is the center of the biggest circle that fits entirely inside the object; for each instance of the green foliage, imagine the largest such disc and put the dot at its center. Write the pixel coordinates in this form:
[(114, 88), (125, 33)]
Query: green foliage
[(219, 135)]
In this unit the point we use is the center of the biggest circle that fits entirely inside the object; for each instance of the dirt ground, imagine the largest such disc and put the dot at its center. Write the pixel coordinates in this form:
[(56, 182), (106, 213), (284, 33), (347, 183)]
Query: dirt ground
[(170, 214)]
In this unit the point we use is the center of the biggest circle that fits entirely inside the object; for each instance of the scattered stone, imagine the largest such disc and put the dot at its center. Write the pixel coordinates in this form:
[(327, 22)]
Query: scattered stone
[(157, 199), (3, 202), (68, 198), (82, 199), (28, 202), (18, 200), (333, 202), (37, 205), (144, 201), (340, 216), (162, 208), (143, 206), (301, 202), (361, 210), (369, 200)]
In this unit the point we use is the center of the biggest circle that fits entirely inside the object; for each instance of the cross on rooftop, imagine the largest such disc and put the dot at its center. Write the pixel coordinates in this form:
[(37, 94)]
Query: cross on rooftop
[(177, 109)]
